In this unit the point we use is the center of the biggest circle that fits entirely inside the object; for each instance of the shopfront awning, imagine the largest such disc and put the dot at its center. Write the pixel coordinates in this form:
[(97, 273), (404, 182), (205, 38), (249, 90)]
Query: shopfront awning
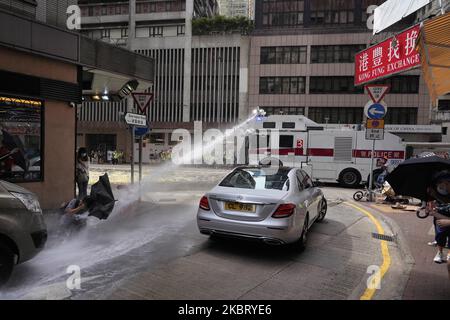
[(434, 48)]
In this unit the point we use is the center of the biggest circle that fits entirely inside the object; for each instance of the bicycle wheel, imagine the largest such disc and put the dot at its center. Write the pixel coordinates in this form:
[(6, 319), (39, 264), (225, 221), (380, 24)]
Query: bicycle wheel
[(358, 195)]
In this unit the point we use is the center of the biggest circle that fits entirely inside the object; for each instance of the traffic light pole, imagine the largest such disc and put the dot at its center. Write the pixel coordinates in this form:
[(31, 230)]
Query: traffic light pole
[(371, 172)]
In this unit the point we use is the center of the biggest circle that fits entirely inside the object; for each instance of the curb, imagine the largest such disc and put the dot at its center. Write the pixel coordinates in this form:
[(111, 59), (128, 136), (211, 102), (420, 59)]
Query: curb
[(398, 234), (403, 248)]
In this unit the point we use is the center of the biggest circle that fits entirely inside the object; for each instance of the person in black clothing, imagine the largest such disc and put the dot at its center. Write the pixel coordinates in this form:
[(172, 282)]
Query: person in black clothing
[(440, 210)]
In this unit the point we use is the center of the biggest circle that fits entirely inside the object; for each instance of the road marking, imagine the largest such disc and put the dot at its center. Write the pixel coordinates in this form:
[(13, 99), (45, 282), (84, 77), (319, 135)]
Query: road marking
[(368, 294), (381, 208)]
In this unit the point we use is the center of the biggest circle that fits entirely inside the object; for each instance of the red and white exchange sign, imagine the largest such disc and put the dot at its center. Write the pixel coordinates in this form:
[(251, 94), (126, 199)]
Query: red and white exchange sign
[(389, 57)]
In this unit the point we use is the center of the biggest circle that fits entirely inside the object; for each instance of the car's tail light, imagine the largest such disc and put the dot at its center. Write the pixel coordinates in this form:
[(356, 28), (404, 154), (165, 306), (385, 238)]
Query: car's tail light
[(284, 210), (204, 203)]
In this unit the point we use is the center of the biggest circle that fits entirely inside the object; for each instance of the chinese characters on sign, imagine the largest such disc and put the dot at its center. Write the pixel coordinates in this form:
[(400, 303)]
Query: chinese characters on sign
[(391, 56), (136, 120)]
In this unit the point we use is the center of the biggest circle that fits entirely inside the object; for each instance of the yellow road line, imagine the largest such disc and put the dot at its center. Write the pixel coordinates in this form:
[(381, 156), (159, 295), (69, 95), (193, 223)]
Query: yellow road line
[(368, 294)]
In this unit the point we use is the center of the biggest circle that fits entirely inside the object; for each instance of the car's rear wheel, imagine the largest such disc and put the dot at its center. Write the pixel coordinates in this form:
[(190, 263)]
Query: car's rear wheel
[(301, 243), (6, 263), (323, 207)]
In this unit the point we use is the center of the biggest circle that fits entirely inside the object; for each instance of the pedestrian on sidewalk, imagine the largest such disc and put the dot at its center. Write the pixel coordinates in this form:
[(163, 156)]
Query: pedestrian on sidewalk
[(82, 172), (115, 159), (440, 210)]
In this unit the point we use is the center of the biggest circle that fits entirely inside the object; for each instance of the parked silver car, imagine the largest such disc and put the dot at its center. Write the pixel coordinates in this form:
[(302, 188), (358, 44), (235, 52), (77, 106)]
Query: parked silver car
[(276, 205), (23, 232)]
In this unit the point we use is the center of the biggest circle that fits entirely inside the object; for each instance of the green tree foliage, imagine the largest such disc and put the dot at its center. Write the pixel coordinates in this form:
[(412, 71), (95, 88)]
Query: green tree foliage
[(222, 24)]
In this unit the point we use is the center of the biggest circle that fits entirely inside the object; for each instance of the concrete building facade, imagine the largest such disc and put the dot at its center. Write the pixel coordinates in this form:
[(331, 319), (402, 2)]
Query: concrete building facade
[(197, 78), (236, 8), (41, 84), (302, 62)]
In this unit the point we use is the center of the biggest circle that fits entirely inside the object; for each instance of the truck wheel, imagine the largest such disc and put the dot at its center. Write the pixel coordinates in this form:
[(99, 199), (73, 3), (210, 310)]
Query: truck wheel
[(6, 263), (350, 178)]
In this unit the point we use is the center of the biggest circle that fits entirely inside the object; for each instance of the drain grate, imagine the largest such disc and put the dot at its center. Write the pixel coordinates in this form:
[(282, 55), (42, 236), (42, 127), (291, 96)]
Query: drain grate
[(383, 237)]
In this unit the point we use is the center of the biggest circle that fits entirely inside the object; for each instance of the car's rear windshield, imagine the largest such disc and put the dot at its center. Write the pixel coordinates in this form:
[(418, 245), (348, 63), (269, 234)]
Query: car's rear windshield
[(257, 179)]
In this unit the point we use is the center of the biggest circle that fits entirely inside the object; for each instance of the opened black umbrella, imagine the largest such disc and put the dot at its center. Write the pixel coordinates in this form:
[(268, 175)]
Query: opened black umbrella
[(103, 198), (13, 142), (414, 176), (271, 161)]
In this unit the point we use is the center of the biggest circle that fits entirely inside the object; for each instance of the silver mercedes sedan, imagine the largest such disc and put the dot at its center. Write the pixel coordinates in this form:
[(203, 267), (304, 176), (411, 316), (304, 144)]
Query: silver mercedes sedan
[(275, 205)]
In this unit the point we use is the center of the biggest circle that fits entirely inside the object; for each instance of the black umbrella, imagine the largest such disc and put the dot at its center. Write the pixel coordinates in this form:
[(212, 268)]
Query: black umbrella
[(103, 198), (13, 142), (414, 176), (271, 161)]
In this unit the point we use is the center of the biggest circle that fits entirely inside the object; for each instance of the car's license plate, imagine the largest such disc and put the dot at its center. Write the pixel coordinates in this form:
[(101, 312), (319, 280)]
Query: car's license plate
[(242, 207)]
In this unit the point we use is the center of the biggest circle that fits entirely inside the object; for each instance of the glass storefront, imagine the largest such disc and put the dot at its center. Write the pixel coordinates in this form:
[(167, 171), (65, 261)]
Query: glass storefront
[(21, 139)]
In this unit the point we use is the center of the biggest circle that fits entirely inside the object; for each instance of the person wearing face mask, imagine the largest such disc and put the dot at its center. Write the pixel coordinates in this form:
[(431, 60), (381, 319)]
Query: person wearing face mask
[(440, 210), (82, 172)]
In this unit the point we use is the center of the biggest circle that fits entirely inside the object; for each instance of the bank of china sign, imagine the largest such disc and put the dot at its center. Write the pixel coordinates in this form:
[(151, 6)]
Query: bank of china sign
[(394, 55)]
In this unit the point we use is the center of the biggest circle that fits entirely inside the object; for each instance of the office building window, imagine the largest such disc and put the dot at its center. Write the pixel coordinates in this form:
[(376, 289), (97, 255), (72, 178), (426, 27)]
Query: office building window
[(270, 111), (282, 12), (180, 30), (401, 116), (105, 33), (444, 105), (124, 33), (335, 53), (283, 55), (155, 31), (346, 115), (403, 84), (332, 12), (333, 85), (282, 85)]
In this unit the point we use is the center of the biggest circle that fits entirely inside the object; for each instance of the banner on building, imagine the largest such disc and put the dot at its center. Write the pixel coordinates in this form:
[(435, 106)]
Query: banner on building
[(394, 55)]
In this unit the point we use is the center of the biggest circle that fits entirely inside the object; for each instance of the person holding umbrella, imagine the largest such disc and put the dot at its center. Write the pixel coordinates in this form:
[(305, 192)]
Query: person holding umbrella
[(99, 204), (440, 190), (427, 179), (76, 212)]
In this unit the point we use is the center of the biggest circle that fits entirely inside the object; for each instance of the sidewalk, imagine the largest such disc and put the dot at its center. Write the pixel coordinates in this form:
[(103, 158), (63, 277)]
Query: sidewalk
[(428, 280)]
